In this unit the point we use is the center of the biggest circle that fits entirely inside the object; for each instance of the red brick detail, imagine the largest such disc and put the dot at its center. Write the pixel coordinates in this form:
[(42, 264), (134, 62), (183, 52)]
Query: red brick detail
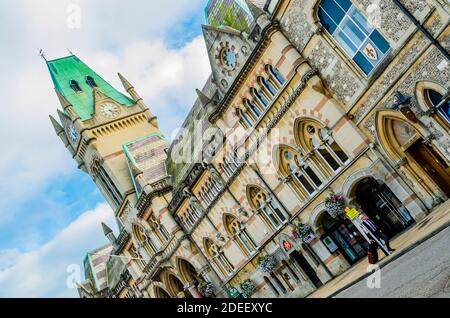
[(410, 199), (321, 104), (358, 149), (340, 124)]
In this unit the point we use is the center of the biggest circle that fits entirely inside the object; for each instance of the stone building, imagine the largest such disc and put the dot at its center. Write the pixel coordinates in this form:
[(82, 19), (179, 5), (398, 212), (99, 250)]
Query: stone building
[(318, 97)]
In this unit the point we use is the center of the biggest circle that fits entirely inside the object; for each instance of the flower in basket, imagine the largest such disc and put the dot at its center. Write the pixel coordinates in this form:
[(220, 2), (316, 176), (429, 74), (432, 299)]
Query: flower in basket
[(248, 288), (267, 263), (301, 231), (207, 289), (335, 205)]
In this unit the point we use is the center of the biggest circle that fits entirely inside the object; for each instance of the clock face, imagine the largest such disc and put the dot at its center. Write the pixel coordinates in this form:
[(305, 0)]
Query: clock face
[(228, 58), (110, 110), (72, 133)]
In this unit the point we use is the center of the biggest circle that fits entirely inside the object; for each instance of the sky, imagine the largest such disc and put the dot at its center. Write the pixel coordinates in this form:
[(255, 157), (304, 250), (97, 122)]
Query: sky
[(50, 212)]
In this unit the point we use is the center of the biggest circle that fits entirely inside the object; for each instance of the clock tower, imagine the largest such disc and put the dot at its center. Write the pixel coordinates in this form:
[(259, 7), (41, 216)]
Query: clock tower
[(96, 121)]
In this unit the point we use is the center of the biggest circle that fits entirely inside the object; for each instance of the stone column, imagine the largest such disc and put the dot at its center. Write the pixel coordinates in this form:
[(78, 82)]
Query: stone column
[(193, 290)]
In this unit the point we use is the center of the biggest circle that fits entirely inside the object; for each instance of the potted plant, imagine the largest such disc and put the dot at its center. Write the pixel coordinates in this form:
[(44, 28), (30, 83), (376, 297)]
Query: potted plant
[(207, 289), (301, 231), (335, 205), (248, 288), (267, 263)]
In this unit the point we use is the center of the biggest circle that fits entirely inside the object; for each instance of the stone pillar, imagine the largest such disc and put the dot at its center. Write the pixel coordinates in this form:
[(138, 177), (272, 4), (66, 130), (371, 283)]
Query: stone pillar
[(193, 290)]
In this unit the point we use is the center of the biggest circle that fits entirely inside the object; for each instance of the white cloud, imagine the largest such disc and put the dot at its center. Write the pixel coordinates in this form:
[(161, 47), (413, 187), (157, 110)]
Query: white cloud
[(43, 272)]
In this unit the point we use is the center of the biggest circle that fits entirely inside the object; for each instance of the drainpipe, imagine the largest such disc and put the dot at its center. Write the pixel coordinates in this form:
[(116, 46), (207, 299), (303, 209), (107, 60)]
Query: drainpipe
[(422, 29)]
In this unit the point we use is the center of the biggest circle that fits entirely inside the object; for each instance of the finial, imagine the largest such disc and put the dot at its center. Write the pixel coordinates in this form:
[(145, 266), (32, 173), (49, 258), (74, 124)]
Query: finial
[(70, 52), (42, 54)]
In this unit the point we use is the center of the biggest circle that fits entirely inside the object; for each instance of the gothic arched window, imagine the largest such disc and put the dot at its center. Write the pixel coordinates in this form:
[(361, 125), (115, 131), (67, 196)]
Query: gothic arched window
[(253, 108), (264, 205), (245, 119), (75, 86), (259, 96), (144, 239), (314, 138), (439, 102), (273, 71), (305, 178), (243, 239), (354, 33), (218, 258), (270, 88), (91, 82)]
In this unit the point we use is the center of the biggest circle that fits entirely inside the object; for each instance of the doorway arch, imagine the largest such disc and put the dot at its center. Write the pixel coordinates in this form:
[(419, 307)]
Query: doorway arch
[(174, 285), (161, 293), (407, 144), (381, 205)]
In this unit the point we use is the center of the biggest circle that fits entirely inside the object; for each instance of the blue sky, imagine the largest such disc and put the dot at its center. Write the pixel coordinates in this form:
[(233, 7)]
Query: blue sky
[(49, 211)]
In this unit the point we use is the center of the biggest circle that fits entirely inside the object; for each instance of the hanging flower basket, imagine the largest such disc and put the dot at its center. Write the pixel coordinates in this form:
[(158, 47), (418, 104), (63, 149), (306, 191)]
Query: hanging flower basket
[(207, 289), (248, 288), (335, 205), (267, 263), (301, 231)]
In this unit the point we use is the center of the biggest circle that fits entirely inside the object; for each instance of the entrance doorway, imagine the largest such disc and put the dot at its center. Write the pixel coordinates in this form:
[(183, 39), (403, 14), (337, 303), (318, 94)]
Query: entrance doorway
[(307, 268), (342, 236), (433, 164), (380, 204)]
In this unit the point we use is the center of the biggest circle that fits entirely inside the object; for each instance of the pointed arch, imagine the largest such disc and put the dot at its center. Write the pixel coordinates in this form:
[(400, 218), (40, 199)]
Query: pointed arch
[(264, 205), (236, 229), (143, 238), (188, 272), (434, 99), (219, 260)]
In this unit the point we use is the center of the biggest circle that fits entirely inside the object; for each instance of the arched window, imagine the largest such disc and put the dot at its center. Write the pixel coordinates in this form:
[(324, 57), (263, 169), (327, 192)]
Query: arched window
[(316, 138), (160, 230), (218, 258), (304, 177), (75, 86), (264, 205), (142, 237), (260, 97), (439, 102), (91, 82), (243, 239), (137, 258), (254, 110), (276, 74), (354, 33), (245, 119), (268, 86)]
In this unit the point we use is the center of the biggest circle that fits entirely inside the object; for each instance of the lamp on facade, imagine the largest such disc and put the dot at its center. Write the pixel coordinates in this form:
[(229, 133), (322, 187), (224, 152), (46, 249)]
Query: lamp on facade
[(403, 104)]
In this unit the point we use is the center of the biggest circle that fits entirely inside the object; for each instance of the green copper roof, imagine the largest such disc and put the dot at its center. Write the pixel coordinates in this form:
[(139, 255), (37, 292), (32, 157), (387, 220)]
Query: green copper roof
[(66, 69)]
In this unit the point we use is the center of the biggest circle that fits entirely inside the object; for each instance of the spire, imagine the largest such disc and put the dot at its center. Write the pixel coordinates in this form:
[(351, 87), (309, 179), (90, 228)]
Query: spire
[(204, 100), (74, 82), (63, 101), (62, 117), (129, 88), (254, 9), (58, 128), (106, 229)]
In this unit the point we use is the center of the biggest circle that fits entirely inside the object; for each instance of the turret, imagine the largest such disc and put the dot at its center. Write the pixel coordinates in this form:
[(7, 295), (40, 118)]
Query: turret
[(109, 233)]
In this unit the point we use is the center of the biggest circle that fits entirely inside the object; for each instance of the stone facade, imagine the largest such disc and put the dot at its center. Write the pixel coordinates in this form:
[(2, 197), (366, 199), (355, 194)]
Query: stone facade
[(286, 119)]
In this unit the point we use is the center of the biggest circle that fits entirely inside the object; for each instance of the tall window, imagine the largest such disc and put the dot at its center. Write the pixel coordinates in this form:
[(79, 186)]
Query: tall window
[(259, 96), (144, 239), (357, 37), (441, 104), (270, 88), (273, 71), (75, 86), (105, 182), (264, 205), (253, 109), (218, 258), (160, 230), (243, 239), (315, 138), (91, 82), (304, 177)]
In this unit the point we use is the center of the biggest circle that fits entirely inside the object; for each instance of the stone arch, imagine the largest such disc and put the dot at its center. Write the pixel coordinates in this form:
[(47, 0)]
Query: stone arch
[(316, 217), (352, 181), (159, 291), (173, 284), (421, 86), (298, 127), (188, 272), (385, 135)]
